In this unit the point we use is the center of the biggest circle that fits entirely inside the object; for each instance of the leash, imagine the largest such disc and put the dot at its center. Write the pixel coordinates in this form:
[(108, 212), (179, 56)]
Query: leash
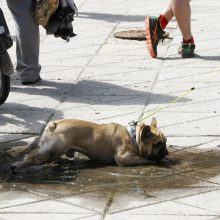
[(165, 106), (133, 124), (174, 101)]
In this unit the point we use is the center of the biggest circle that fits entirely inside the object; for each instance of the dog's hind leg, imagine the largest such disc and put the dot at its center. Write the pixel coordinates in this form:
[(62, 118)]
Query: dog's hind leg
[(45, 154)]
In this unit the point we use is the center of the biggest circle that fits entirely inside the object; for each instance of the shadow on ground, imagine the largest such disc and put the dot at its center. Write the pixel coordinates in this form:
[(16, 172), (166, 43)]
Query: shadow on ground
[(206, 58), (96, 92), (18, 112), (112, 18)]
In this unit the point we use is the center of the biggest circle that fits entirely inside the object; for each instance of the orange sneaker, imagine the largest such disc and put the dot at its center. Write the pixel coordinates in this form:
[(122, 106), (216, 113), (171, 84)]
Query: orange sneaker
[(154, 33)]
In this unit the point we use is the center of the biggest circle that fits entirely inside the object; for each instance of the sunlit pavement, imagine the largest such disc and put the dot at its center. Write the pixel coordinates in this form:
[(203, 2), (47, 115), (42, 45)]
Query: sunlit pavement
[(99, 78)]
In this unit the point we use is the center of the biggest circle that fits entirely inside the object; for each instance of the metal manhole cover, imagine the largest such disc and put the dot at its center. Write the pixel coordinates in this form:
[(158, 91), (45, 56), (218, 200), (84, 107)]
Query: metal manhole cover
[(131, 35)]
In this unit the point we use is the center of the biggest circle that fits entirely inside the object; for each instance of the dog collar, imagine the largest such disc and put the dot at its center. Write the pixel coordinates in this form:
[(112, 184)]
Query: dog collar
[(132, 132)]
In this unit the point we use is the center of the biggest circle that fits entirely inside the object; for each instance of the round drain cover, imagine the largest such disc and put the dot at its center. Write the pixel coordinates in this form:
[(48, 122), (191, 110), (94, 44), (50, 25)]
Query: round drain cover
[(131, 35)]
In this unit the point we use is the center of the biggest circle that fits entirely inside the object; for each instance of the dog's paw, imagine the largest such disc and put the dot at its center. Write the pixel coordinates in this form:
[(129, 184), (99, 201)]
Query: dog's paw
[(167, 161)]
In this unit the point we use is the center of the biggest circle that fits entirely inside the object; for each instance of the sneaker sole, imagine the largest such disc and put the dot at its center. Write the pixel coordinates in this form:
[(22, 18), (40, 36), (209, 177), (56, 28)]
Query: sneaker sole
[(186, 55), (31, 82), (148, 38)]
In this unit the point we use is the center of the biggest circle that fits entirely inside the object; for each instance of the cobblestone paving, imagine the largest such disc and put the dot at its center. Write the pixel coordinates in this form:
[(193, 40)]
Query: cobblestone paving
[(99, 78)]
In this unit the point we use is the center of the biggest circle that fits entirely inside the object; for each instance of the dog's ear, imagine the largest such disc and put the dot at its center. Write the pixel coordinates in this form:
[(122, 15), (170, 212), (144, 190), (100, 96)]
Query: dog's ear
[(146, 132), (153, 123)]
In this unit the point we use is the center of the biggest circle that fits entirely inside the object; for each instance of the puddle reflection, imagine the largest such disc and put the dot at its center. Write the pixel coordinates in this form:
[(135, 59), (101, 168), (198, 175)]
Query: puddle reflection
[(81, 175)]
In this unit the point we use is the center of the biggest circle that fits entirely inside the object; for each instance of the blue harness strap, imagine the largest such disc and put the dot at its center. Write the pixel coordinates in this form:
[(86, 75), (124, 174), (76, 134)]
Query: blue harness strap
[(132, 131)]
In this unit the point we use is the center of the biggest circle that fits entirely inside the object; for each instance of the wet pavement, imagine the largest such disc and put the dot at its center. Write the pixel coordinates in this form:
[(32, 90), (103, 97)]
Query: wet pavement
[(100, 78), (104, 191)]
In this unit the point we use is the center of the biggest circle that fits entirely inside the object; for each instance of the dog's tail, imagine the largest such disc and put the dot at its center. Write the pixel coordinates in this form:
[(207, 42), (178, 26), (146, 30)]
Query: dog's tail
[(52, 126)]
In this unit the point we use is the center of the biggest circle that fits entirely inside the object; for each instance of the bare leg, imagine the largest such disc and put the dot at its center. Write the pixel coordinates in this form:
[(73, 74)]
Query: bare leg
[(182, 11), (168, 12)]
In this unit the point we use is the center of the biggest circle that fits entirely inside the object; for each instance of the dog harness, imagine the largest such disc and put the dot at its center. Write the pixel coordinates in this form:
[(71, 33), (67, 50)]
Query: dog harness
[(132, 131)]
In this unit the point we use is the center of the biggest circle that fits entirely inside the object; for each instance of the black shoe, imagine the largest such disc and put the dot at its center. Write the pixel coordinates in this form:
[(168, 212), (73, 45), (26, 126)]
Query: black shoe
[(31, 82)]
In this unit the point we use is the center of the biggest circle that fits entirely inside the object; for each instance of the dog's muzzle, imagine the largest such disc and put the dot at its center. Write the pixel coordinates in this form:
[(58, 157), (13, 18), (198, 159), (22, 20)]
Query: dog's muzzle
[(159, 151)]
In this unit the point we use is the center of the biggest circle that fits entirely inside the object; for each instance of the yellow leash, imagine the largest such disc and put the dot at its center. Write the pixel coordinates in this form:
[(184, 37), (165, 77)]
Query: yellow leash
[(175, 100), (165, 106), (178, 98)]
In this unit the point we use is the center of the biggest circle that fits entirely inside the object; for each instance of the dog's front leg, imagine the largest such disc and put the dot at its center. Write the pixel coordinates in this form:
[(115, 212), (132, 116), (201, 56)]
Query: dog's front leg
[(128, 158)]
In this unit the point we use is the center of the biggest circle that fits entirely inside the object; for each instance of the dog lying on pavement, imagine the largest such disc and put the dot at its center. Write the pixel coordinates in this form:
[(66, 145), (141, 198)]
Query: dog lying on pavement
[(102, 143)]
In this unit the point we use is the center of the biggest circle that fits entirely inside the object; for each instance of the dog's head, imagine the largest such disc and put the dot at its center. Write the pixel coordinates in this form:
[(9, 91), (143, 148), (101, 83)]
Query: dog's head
[(151, 141)]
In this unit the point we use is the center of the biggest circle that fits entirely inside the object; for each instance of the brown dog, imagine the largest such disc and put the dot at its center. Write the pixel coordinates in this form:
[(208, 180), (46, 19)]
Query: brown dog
[(103, 143)]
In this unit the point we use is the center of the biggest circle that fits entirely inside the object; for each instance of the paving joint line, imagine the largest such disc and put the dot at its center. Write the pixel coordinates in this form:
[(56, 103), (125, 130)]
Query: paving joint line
[(155, 80), (182, 203), (108, 205)]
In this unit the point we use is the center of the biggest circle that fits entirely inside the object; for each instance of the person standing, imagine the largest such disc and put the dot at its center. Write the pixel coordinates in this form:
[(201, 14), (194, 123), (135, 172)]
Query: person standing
[(155, 27), (27, 40)]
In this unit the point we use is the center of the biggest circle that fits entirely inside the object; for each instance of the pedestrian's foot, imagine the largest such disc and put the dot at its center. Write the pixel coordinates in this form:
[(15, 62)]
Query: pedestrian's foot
[(31, 82), (154, 33), (186, 50)]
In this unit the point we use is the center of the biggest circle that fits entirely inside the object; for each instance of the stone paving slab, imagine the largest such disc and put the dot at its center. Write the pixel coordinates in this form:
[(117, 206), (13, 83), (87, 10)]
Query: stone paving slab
[(117, 75), (208, 201), (10, 199), (183, 124), (163, 209), (46, 216), (102, 79), (194, 75), (7, 138), (52, 207), (200, 142), (163, 217)]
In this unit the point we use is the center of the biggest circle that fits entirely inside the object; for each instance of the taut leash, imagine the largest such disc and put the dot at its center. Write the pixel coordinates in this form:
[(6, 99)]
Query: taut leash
[(174, 101), (165, 106)]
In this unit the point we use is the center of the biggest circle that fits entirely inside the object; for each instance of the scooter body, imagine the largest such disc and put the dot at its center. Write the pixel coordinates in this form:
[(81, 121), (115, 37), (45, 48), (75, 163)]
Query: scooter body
[(6, 67)]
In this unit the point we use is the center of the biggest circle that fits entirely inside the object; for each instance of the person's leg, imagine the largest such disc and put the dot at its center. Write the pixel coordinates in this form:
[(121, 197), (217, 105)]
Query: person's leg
[(168, 11), (155, 27), (27, 39), (182, 11)]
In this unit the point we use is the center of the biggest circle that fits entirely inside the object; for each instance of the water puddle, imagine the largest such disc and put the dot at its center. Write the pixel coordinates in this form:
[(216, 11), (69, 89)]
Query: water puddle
[(66, 176)]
